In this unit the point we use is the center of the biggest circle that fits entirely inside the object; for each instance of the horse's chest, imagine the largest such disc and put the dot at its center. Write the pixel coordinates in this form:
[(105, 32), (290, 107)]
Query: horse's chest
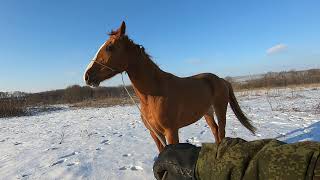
[(155, 111)]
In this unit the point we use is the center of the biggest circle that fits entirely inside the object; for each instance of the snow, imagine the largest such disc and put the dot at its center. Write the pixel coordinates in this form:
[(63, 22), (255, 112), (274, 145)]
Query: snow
[(112, 143)]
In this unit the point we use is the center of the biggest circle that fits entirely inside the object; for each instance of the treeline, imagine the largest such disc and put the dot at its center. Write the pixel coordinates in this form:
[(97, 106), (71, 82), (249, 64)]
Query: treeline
[(15, 104), (279, 79), (76, 93)]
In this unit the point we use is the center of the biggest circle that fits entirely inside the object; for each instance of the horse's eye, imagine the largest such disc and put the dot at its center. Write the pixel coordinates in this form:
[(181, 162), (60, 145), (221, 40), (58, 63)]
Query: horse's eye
[(109, 48)]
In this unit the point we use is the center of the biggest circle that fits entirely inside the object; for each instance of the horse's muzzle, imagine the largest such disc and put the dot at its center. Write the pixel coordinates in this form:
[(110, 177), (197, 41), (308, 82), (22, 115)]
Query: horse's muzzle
[(90, 80)]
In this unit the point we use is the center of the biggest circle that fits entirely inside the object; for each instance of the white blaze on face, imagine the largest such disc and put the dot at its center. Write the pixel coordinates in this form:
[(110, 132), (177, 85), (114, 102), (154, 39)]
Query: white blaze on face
[(95, 56), (85, 72), (92, 62)]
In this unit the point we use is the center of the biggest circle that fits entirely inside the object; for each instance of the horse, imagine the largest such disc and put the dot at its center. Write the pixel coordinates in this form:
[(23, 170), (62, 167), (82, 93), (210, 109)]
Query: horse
[(167, 102)]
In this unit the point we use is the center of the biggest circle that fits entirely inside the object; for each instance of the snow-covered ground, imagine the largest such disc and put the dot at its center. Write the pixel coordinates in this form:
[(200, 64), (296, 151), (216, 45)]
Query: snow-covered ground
[(112, 143)]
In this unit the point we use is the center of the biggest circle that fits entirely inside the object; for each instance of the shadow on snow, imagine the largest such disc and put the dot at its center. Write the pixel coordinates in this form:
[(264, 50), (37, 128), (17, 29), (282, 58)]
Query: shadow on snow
[(310, 133)]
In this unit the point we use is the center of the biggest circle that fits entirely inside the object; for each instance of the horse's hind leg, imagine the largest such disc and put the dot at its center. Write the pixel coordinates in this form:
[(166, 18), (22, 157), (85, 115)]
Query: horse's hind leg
[(221, 112), (209, 116)]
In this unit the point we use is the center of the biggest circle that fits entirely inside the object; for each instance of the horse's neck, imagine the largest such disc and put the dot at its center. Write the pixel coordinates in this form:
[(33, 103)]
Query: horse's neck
[(145, 76)]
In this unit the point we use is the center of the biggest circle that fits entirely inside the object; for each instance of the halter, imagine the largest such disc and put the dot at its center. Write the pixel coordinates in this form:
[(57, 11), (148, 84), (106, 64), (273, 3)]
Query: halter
[(103, 65)]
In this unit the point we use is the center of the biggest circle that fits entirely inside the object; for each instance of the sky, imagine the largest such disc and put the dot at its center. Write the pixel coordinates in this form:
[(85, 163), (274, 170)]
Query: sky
[(47, 45)]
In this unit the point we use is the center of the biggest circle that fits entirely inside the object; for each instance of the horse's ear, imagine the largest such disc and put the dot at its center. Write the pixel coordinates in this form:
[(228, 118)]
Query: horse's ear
[(122, 28)]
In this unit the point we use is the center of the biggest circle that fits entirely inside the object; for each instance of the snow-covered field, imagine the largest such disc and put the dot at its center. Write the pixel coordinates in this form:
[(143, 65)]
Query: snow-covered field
[(112, 143)]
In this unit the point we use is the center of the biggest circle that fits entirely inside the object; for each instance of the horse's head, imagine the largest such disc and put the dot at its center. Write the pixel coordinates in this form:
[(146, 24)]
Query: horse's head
[(112, 58)]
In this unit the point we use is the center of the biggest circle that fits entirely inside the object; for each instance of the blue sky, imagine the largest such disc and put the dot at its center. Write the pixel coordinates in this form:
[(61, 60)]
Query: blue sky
[(46, 45)]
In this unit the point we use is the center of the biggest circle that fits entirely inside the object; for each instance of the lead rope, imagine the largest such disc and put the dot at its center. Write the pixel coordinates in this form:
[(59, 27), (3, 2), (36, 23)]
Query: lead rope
[(134, 102), (158, 136)]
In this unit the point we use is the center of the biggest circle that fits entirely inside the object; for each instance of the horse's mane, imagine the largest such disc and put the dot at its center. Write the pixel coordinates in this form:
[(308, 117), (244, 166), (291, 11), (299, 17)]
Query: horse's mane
[(112, 32), (138, 46), (142, 50)]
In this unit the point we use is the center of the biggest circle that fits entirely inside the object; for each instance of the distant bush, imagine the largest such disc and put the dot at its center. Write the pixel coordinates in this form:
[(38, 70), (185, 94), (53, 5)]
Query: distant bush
[(12, 107), (75, 94), (279, 79)]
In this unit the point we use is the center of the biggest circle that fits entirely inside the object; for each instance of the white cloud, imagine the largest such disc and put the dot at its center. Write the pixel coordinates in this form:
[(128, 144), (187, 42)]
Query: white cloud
[(277, 49)]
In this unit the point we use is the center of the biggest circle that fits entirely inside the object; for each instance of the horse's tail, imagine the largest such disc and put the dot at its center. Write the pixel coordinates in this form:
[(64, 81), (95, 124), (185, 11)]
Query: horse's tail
[(237, 110)]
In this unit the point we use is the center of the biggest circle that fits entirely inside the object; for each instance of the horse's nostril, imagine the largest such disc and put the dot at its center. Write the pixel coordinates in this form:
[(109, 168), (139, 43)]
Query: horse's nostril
[(86, 77)]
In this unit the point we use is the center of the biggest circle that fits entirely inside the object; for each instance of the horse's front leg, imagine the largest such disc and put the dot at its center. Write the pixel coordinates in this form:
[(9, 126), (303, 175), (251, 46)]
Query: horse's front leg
[(153, 135), (157, 141)]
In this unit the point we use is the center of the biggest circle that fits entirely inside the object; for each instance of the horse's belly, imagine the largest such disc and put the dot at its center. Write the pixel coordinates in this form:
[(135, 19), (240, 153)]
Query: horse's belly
[(183, 105), (193, 109), (191, 100)]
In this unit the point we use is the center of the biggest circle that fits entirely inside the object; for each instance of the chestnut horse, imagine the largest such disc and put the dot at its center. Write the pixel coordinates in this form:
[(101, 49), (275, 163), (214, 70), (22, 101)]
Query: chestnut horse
[(167, 102)]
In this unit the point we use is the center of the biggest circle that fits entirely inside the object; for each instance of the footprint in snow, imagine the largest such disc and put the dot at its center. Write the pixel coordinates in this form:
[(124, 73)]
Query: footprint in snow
[(17, 143), (58, 162), (70, 164), (51, 149), (25, 175), (115, 133), (73, 163), (194, 141), (133, 168), (68, 155), (105, 142), (123, 168), (92, 133)]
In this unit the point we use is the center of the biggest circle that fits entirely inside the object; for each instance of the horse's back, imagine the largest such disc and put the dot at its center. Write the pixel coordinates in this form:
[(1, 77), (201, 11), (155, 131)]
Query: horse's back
[(196, 88), (204, 75)]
